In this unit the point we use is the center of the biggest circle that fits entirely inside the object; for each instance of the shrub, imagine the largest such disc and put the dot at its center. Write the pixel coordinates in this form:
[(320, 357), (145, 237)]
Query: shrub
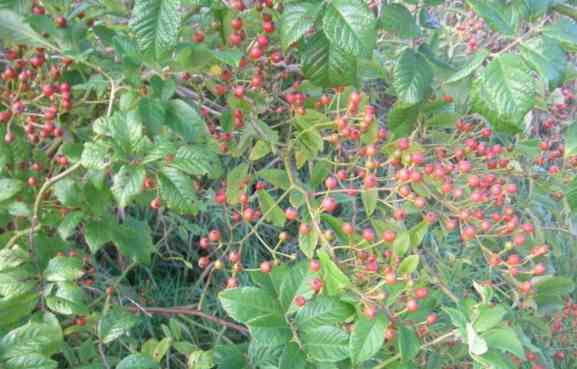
[(367, 185)]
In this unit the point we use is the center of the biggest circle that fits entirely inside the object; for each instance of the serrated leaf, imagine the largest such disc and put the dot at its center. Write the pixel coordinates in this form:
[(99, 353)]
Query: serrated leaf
[(95, 155), (127, 183), (368, 337), (292, 281), (17, 281), (335, 280), (155, 24), (134, 240), (194, 160), (308, 242), (326, 64), (477, 345), (402, 243), (69, 224), (137, 361), (571, 140), (276, 177), (412, 77), (547, 58), (549, 286), (12, 257), (62, 269), (9, 187), (185, 120), (397, 19), (370, 197), (470, 67), (177, 190), (489, 317), (321, 311), (250, 305), (408, 343), (37, 337), (14, 28), (296, 20), (292, 358), (31, 361), (350, 25), (233, 182), (491, 15), (259, 150), (571, 195), (504, 93), (153, 114), (231, 57), (114, 324), (504, 339), (565, 31), (268, 206), (68, 300), (326, 344), (97, 233), (409, 264)]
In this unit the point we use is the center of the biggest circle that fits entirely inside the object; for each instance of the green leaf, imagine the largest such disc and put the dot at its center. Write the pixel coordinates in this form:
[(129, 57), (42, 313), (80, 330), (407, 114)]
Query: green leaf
[(323, 310), (230, 57), (114, 324), (292, 281), (12, 257), (565, 31), (268, 206), (297, 19), (155, 24), (504, 93), (127, 183), (408, 343), (409, 264), (370, 197), (477, 345), (402, 243), (398, 20), (402, 119), (470, 67), (68, 192), (137, 361), (177, 190), (491, 15), (250, 305), (231, 356), (412, 77), (504, 340), (571, 140), (333, 277), (277, 177), (272, 331), (133, 239), (63, 268), (69, 299), (550, 287), (14, 308), (31, 361), (571, 195), (233, 182), (153, 114), (418, 233), (547, 58), (95, 155), (350, 25), (259, 150), (326, 344), (9, 187), (308, 242), (161, 349), (308, 134), (368, 337), (13, 28), (185, 120), (489, 317), (97, 233), (292, 358), (41, 335), (17, 281), (326, 64), (69, 224)]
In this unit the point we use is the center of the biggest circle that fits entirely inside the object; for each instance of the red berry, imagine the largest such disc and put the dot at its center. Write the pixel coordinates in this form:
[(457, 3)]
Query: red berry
[(155, 203), (299, 301), (266, 267), (61, 22), (314, 265), (421, 293), (291, 214), (412, 306), (214, 235)]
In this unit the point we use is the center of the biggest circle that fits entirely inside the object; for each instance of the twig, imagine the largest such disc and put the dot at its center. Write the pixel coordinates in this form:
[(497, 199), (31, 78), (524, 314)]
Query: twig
[(187, 310)]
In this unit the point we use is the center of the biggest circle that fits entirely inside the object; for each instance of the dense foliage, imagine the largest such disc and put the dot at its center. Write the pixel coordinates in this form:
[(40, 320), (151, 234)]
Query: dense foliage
[(288, 184)]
